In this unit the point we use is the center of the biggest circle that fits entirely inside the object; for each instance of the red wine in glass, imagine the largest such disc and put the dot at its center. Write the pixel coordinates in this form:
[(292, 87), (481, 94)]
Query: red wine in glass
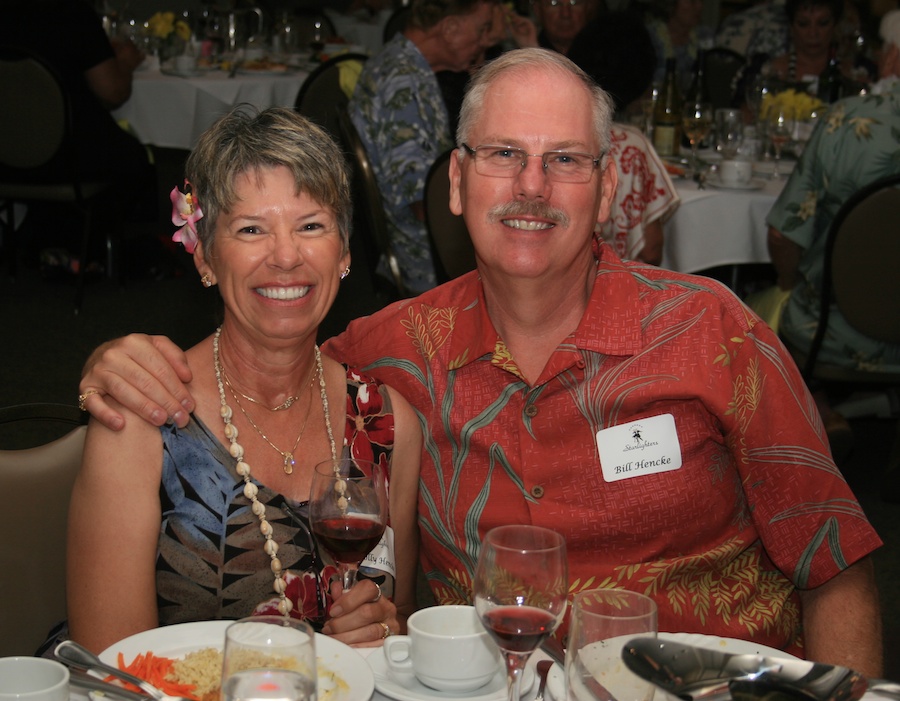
[(348, 539), (519, 628)]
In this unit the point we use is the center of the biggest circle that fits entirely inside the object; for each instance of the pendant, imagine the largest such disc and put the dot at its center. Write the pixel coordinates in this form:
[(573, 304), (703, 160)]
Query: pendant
[(288, 463)]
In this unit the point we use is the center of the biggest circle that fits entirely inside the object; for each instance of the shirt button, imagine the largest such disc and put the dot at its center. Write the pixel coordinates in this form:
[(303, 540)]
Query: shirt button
[(531, 411), (537, 491), (580, 364)]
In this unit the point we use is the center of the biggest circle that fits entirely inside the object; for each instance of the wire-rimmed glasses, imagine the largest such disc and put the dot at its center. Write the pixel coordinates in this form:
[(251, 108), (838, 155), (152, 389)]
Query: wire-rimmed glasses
[(508, 161)]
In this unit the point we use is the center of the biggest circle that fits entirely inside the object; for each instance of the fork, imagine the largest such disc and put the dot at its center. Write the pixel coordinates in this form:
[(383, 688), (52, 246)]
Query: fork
[(74, 655)]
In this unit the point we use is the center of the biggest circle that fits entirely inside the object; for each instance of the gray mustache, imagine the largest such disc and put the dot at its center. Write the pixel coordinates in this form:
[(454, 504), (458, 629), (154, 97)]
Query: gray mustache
[(541, 210)]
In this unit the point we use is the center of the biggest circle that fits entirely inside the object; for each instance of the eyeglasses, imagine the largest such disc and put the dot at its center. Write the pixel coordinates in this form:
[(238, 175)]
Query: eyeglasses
[(555, 4), (559, 166)]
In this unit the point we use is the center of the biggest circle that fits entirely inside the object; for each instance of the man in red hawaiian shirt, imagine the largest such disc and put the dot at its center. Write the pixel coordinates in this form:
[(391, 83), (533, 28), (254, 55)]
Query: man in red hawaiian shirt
[(647, 415)]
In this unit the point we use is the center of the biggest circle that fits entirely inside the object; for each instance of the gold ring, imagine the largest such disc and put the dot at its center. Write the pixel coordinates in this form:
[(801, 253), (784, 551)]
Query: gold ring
[(83, 397), (377, 596), (387, 629)]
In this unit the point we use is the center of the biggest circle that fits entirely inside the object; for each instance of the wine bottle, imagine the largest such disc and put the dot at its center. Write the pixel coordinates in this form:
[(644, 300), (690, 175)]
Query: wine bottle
[(667, 116), (697, 92), (830, 84)]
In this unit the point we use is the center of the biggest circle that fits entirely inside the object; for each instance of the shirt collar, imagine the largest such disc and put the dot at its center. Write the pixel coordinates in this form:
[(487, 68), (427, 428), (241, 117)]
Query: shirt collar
[(611, 324)]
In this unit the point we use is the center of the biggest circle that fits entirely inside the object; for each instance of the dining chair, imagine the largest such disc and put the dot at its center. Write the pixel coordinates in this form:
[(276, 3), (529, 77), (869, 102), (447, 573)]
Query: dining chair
[(396, 22), (36, 127), (862, 286), (369, 218), (451, 245), (720, 66), (327, 90), (33, 557)]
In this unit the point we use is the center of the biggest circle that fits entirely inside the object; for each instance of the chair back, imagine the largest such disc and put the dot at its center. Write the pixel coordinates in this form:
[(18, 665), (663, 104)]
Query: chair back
[(40, 480), (451, 245), (324, 94), (32, 125), (720, 66), (862, 285), (368, 213), (396, 22)]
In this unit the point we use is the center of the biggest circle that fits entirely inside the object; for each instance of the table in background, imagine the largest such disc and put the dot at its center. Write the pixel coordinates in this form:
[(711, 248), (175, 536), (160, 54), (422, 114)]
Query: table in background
[(172, 112), (361, 28), (718, 227)]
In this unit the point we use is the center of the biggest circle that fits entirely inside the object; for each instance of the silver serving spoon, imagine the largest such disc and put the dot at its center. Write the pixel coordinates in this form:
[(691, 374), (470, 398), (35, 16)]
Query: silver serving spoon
[(74, 655), (543, 669)]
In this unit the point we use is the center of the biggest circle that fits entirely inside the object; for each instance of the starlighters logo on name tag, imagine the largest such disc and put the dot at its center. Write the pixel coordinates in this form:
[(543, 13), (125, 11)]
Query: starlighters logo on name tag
[(642, 447)]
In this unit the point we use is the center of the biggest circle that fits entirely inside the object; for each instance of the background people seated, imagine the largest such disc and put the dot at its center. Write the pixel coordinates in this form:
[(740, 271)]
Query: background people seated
[(69, 35), (855, 144), (400, 114), (677, 33), (532, 375)]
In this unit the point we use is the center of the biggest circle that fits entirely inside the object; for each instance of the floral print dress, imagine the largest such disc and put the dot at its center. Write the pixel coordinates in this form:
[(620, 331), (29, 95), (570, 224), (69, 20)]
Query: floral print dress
[(210, 561)]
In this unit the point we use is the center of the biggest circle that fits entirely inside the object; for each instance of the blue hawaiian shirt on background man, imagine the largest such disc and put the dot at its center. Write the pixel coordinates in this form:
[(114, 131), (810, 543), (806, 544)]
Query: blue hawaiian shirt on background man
[(400, 114)]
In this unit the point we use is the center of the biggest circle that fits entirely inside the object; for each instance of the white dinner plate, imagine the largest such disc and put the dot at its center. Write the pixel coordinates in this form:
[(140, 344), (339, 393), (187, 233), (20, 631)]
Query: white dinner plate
[(785, 167), (343, 673), (556, 679), (494, 690), (716, 181)]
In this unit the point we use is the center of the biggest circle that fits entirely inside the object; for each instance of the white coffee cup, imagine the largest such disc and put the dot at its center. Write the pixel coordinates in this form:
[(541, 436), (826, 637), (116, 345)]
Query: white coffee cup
[(185, 63), (33, 679), (735, 172), (447, 649)]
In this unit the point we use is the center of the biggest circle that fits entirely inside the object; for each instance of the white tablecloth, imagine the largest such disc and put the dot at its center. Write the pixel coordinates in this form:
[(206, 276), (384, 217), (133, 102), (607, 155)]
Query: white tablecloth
[(715, 227), (172, 112)]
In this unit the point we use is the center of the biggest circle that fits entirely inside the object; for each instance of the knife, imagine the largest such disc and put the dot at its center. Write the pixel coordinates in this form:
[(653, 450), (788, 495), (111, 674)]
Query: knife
[(694, 673), (89, 683)]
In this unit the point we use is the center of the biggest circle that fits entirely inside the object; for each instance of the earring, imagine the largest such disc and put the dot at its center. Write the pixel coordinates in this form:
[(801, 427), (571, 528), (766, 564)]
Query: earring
[(206, 280), (345, 272)]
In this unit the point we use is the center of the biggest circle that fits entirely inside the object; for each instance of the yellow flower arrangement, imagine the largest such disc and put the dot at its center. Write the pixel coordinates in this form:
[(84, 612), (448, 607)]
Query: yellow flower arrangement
[(800, 104), (162, 24)]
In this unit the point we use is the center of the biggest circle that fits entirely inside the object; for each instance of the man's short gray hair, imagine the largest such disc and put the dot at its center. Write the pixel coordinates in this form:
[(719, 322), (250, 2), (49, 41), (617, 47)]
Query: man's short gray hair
[(520, 60)]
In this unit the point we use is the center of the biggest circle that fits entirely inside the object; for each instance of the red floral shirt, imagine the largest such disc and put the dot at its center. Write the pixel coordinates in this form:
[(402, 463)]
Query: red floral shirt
[(756, 511)]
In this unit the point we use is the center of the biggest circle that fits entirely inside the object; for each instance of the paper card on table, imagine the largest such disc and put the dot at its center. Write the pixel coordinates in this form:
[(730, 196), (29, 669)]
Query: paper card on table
[(643, 447)]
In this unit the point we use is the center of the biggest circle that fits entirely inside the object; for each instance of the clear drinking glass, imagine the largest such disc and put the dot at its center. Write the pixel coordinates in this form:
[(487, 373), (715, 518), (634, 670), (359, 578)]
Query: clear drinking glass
[(269, 658), (696, 121), (348, 510), (602, 621), (521, 585), (781, 129)]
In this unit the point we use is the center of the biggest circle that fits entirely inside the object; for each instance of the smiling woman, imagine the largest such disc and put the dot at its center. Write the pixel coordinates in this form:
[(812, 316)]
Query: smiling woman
[(208, 527)]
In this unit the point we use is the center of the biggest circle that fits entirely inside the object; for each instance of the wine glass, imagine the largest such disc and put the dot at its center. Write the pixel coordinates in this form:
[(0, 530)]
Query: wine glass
[(696, 121), (348, 509), (521, 583), (781, 129)]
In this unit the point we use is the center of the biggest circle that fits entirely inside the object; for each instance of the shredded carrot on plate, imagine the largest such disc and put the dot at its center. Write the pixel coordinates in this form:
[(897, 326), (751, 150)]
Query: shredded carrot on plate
[(155, 670)]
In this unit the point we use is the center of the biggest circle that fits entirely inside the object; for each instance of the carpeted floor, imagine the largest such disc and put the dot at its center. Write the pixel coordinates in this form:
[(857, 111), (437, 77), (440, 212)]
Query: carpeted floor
[(46, 343)]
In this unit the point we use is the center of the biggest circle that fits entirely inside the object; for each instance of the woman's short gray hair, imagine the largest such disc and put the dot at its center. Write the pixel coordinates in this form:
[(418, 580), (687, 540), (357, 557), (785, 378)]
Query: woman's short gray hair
[(244, 141), (520, 60)]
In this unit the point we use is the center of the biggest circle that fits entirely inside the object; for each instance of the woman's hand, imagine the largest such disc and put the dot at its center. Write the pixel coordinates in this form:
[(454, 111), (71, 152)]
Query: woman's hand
[(359, 616), (145, 373)]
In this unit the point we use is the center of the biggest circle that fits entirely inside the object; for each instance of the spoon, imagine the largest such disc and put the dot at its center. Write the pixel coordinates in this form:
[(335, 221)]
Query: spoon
[(543, 668), (74, 655)]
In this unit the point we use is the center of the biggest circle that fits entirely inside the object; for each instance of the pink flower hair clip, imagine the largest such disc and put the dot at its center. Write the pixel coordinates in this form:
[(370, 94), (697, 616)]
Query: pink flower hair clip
[(186, 213)]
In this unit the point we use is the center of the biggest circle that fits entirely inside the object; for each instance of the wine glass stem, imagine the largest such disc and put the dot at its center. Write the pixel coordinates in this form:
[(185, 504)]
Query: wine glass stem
[(348, 575), (695, 159), (775, 172), (515, 664)]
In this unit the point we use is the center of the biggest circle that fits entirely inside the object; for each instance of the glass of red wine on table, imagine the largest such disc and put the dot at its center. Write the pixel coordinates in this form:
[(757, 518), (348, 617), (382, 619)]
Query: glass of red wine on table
[(521, 584), (348, 510)]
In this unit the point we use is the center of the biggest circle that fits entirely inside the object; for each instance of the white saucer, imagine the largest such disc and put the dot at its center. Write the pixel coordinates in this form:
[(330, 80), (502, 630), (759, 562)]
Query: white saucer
[(754, 184), (785, 167), (494, 690)]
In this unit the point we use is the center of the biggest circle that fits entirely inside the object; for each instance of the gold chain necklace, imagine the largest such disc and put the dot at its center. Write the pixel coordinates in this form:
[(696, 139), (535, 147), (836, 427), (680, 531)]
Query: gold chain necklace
[(286, 404), (236, 450)]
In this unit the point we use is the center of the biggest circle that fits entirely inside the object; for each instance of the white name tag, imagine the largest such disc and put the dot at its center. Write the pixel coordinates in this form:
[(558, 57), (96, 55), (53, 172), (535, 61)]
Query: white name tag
[(642, 447), (382, 556)]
